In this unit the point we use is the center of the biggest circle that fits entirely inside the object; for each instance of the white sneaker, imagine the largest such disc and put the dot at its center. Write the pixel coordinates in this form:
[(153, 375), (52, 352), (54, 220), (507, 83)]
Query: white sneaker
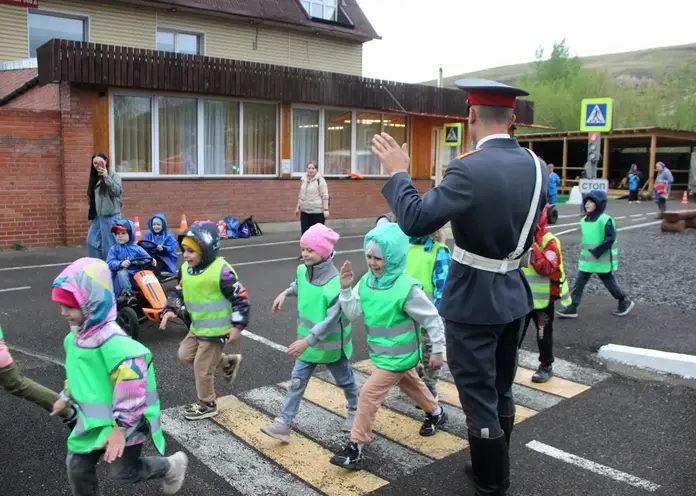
[(174, 478), (277, 430)]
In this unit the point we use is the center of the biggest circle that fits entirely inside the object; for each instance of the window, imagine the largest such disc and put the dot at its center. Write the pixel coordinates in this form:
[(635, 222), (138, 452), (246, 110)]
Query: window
[(177, 136), (45, 26), (321, 9), (338, 132), (173, 41), (132, 133), (259, 139), (343, 143), (221, 124), (178, 140), (305, 138)]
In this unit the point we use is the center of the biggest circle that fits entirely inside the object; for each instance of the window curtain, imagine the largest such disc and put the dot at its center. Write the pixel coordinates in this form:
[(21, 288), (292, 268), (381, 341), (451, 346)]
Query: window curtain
[(221, 137), (305, 138), (337, 139), (178, 135), (132, 134), (259, 139), (368, 125)]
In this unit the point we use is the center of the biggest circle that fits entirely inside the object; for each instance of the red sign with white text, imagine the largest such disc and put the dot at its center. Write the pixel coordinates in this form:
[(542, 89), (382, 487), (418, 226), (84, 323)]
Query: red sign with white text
[(32, 4)]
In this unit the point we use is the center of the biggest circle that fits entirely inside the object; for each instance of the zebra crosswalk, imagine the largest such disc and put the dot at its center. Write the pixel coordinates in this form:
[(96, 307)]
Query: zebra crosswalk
[(233, 446)]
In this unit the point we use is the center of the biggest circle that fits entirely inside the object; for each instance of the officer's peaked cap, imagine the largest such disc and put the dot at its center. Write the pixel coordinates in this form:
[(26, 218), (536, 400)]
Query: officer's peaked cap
[(491, 93)]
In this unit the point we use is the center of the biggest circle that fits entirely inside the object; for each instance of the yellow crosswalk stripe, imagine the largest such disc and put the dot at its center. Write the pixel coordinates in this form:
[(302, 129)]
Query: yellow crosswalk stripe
[(555, 385), (448, 392), (302, 457), (388, 423)]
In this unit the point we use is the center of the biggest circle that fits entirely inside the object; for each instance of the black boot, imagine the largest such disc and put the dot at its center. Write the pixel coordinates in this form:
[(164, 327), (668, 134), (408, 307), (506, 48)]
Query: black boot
[(490, 465), (507, 424)]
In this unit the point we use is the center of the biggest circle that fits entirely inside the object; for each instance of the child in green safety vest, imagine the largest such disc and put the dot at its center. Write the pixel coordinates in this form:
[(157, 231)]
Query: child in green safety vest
[(217, 306), (393, 305), (428, 261), (547, 280), (323, 331), (111, 383), (598, 255)]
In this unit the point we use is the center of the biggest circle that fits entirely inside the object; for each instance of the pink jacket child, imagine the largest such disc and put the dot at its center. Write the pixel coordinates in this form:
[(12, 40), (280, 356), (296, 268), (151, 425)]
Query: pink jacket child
[(15, 383)]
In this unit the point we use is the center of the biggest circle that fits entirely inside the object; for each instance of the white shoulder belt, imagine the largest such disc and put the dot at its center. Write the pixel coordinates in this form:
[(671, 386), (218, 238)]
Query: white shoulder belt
[(515, 259)]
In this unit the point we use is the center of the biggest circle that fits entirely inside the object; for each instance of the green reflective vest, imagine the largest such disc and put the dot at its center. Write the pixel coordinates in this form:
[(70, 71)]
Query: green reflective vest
[(1, 334), (313, 303), (420, 264), (88, 372), (211, 312), (541, 285), (593, 235), (392, 339)]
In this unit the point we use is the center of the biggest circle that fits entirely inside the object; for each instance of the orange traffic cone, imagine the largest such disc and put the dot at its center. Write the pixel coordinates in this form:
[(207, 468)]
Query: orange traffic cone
[(685, 198), (184, 224), (138, 234), (195, 219)]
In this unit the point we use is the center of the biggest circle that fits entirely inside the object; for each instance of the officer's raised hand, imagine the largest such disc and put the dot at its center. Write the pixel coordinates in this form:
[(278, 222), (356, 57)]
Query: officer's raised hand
[(346, 275), (394, 158)]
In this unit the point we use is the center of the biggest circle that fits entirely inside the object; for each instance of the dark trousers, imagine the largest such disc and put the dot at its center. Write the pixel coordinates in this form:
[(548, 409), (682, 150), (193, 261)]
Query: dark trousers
[(130, 468), (308, 220), (633, 195), (483, 362), (662, 205), (607, 278), (544, 335)]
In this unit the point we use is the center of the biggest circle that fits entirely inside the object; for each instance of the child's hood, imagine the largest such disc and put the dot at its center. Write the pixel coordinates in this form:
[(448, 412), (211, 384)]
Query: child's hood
[(89, 280), (130, 227), (207, 236), (165, 227), (394, 246), (600, 199)]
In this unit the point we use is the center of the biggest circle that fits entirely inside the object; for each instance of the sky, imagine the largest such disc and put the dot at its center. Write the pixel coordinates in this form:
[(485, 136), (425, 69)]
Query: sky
[(464, 35)]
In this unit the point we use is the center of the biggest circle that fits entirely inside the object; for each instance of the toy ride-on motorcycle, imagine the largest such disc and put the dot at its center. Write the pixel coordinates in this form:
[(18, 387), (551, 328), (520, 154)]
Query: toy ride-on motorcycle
[(148, 301)]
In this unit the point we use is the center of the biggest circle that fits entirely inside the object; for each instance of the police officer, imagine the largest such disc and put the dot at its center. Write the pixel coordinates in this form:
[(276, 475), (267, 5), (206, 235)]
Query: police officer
[(492, 196)]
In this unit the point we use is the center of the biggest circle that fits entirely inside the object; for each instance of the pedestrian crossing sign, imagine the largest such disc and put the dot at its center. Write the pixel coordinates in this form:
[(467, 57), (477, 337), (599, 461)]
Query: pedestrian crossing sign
[(452, 134), (596, 114)]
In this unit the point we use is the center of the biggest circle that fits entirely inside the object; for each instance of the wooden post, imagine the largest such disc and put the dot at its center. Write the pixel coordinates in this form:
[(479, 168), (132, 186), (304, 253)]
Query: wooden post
[(286, 135), (605, 159), (564, 164), (651, 169)]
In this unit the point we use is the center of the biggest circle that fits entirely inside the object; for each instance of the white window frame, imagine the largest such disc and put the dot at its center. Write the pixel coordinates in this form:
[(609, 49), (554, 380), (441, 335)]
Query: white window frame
[(154, 153), (86, 27), (324, 4), (353, 139), (201, 35)]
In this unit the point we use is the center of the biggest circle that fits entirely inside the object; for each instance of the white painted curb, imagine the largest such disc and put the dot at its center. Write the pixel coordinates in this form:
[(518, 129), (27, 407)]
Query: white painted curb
[(661, 361)]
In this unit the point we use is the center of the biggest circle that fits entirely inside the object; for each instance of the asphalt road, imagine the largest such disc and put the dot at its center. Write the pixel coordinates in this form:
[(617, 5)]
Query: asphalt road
[(637, 428)]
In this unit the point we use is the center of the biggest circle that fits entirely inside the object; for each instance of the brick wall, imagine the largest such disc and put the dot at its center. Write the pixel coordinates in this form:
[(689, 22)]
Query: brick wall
[(268, 200), (31, 198)]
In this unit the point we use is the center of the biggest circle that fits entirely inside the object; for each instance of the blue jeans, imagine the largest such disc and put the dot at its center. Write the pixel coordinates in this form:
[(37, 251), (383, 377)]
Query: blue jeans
[(301, 373), (608, 279), (100, 238), (124, 280)]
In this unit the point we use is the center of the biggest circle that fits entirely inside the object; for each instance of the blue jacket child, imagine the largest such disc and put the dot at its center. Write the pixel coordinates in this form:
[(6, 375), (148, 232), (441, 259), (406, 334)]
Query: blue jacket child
[(159, 233), (124, 250)]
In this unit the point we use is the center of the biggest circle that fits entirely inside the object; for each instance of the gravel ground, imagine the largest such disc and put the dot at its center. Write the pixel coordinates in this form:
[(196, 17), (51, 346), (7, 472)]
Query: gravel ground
[(654, 267)]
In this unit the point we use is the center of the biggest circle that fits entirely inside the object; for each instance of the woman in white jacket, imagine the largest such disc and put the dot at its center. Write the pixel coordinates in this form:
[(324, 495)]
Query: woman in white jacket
[(313, 201)]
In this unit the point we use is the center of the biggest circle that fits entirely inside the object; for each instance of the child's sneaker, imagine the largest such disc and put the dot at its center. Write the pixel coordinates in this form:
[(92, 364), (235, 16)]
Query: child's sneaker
[(351, 457), (174, 478), (232, 368), (431, 422), (348, 424), (569, 312), (542, 374), (277, 430), (200, 411), (625, 306)]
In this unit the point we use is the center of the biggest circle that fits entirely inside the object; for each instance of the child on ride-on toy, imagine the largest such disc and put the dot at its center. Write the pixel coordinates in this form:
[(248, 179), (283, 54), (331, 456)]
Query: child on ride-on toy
[(218, 307), (120, 257), (165, 252)]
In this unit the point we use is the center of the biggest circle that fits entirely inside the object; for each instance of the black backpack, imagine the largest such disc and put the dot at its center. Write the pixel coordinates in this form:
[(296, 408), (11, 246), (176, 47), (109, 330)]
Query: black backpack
[(254, 229)]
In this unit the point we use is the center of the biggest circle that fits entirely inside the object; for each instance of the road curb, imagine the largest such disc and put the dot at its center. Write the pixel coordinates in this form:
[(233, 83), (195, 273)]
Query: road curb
[(677, 365)]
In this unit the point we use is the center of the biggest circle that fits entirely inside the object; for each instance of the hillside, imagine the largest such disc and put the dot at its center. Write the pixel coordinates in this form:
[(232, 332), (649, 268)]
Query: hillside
[(638, 65)]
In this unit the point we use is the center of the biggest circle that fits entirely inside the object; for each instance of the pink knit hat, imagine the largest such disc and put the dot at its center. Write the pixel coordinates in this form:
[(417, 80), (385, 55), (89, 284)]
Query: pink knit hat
[(321, 239)]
